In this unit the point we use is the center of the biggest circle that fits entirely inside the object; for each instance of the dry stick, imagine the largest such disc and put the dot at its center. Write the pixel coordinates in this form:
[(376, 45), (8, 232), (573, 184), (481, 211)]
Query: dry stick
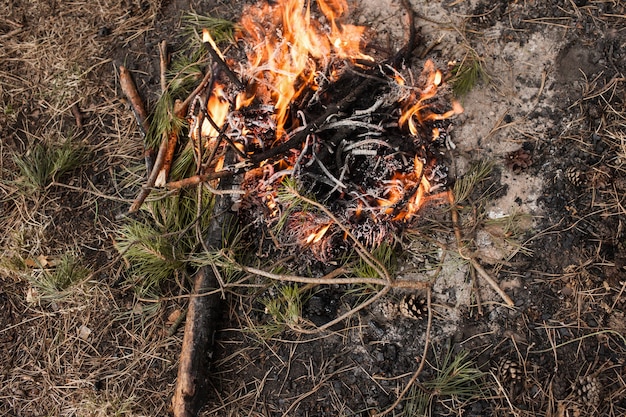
[(491, 282), (199, 329), (180, 109), (163, 60), (172, 139), (139, 110), (329, 280), (472, 259), (479, 305), (202, 315), (145, 190), (130, 91), (179, 320), (185, 104), (422, 361), (78, 115)]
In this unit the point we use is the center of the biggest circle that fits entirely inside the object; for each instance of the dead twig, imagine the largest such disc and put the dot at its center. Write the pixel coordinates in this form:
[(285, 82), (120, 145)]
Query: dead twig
[(331, 279), (159, 162), (509, 302), (198, 179), (130, 91), (163, 61), (217, 57), (139, 110), (474, 263), (202, 315), (147, 188), (78, 115), (179, 320)]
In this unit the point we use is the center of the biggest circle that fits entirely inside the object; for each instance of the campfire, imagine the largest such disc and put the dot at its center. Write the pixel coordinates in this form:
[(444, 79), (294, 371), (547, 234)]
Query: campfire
[(309, 113), (329, 146)]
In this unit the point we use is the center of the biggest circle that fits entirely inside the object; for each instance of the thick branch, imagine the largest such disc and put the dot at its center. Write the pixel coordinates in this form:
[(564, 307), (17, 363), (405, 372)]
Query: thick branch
[(202, 314)]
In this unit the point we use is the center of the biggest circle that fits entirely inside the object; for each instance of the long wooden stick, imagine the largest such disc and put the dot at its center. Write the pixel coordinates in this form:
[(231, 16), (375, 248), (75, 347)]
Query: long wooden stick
[(202, 313)]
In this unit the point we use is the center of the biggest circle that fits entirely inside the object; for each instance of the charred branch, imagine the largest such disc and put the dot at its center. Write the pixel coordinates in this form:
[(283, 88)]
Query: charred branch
[(296, 140), (203, 313), (217, 58)]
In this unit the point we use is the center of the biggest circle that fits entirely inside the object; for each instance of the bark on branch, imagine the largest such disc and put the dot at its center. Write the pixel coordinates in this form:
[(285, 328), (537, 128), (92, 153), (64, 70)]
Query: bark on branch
[(202, 315)]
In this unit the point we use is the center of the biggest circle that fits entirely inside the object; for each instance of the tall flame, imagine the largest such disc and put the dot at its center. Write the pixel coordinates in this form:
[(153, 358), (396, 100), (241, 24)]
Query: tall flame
[(287, 47), (218, 108)]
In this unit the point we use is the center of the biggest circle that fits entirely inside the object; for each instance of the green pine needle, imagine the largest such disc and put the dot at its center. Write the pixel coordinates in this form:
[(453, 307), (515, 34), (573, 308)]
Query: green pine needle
[(45, 163), (67, 272), (477, 173), (220, 29), (467, 74), (151, 256)]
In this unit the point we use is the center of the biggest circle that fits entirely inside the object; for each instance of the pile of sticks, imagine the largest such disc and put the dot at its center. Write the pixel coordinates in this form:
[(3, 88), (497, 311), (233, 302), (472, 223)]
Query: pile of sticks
[(344, 148)]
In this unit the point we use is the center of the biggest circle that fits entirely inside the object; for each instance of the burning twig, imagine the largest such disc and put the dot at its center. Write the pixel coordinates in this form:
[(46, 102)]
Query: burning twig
[(218, 58)]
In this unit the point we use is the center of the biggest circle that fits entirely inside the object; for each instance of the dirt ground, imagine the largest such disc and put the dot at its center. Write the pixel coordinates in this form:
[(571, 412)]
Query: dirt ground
[(546, 223)]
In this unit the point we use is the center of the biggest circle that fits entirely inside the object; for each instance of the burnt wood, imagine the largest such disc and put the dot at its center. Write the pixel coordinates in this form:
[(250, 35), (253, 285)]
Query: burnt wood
[(203, 314)]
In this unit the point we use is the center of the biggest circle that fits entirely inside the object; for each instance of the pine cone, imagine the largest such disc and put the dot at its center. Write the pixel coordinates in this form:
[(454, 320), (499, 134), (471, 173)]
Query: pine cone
[(509, 371), (575, 176), (588, 390), (414, 306)]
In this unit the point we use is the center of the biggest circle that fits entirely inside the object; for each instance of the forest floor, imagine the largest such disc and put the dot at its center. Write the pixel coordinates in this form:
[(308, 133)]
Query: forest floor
[(546, 121)]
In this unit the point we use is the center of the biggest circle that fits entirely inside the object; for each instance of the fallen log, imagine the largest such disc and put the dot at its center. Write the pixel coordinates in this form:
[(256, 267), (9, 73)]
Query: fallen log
[(202, 314)]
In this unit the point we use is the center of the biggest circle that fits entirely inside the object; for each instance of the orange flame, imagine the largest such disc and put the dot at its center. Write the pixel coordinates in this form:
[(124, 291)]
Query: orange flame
[(287, 46), (414, 114), (397, 188), (317, 236), (218, 108)]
